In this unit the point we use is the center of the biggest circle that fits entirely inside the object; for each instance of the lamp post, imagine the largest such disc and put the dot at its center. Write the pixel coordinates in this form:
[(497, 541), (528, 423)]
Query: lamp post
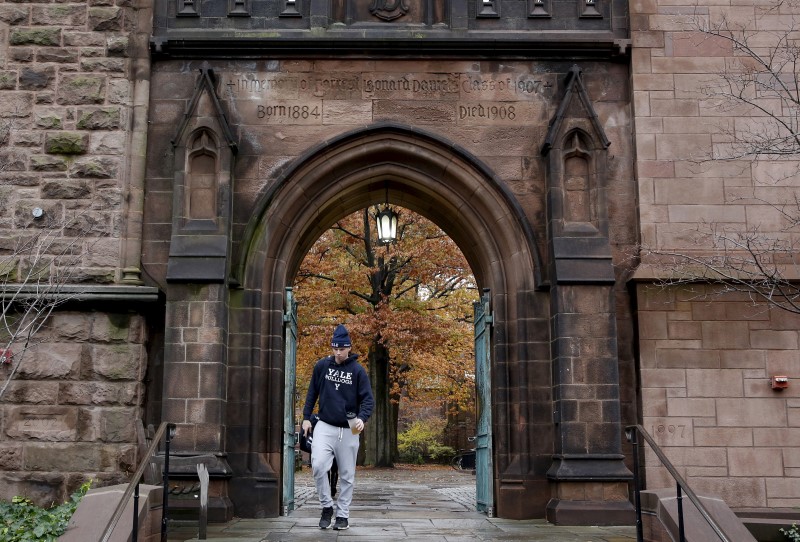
[(386, 223)]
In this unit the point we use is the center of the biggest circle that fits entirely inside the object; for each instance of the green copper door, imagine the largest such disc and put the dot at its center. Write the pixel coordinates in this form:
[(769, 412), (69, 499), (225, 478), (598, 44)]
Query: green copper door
[(289, 435), (484, 472)]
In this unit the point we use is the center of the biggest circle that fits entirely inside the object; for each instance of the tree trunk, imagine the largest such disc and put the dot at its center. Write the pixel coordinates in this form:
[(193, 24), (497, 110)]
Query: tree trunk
[(380, 448)]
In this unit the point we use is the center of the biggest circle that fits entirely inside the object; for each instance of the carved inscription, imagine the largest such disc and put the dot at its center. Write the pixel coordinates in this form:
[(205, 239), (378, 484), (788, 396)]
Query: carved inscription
[(42, 423), (491, 112), (505, 88), (283, 111), (260, 86), (32, 422), (671, 431), (404, 87), (321, 86), (457, 98)]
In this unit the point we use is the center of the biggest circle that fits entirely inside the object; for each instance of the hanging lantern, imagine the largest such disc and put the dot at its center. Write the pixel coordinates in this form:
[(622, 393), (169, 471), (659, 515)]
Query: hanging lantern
[(386, 222)]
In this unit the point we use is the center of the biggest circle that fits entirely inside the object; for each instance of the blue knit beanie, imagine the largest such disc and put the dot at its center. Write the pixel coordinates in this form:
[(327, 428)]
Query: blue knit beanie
[(341, 338)]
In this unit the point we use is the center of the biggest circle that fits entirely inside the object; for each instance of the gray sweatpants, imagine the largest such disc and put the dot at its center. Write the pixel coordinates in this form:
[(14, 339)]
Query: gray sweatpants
[(330, 442)]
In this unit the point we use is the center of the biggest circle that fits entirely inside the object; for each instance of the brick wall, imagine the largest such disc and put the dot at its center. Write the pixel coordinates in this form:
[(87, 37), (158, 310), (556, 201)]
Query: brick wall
[(706, 364), (706, 361)]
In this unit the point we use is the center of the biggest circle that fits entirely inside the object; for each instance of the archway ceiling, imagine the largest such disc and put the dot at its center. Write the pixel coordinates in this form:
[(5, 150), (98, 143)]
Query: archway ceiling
[(404, 192)]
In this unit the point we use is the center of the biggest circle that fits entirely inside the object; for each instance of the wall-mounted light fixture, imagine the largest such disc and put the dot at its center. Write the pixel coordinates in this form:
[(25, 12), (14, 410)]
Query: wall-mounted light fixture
[(386, 223)]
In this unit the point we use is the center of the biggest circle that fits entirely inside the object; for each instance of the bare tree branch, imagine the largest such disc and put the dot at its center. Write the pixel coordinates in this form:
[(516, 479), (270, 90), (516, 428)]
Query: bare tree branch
[(759, 88), (35, 279), (751, 262), (761, 83)]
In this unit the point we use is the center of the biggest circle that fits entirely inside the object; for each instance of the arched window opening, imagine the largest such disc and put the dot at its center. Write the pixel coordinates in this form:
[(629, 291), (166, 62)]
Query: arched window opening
[(201, 186), (578, 180)]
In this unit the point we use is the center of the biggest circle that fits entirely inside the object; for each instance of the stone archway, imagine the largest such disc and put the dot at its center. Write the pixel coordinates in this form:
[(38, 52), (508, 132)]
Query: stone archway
[(447, 185)]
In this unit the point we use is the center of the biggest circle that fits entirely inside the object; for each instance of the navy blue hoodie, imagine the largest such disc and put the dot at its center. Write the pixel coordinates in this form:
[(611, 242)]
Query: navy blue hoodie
[(340, 389)]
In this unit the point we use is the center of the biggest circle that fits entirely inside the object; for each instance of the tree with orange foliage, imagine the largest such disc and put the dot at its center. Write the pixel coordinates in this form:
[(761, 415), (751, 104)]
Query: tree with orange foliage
[(409, 304)]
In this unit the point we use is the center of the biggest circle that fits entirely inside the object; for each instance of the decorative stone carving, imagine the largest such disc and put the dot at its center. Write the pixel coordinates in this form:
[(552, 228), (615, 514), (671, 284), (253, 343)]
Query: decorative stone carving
[(203, 161), (539, 8), (187, 8), (388, 10)]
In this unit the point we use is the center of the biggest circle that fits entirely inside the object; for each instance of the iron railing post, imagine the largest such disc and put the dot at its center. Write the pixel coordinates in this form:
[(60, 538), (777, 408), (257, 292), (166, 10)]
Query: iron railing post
[(135, 526), (165, 506), (683, 487), (632, 435), (136, 479), (681, 531)]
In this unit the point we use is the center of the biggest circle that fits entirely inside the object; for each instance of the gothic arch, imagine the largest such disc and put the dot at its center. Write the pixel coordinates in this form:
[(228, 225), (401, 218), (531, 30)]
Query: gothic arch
[(426, 174), (455, 190)]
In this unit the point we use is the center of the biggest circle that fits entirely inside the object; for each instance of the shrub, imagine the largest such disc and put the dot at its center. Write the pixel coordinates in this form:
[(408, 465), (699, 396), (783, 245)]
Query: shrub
[(421, 442), (23, 521), (792, 534)]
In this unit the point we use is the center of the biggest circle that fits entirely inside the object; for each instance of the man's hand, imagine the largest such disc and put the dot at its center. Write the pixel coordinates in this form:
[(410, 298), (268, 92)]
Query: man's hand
[(359, 424), (306, 427)]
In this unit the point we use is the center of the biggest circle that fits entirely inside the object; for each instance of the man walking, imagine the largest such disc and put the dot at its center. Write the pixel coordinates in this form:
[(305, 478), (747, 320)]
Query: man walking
[(345, 403)]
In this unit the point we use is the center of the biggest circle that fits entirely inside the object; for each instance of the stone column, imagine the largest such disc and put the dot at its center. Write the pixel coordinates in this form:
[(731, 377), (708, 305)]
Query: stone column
[(195, 365), (131, 245), (591, 478)]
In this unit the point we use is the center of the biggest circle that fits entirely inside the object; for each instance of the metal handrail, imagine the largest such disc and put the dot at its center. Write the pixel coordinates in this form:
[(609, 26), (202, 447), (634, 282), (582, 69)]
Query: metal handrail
[(630, 433), (167, 429)]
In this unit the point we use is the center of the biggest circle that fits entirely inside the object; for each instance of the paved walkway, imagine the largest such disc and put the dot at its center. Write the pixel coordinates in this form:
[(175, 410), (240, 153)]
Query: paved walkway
[(407, 503)]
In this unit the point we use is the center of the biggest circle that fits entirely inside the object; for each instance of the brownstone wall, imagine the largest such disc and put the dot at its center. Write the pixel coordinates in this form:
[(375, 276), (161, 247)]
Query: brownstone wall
[(65, 116), (318, 138), (281, 109), (71, 412), (67, 95), (706, 362)]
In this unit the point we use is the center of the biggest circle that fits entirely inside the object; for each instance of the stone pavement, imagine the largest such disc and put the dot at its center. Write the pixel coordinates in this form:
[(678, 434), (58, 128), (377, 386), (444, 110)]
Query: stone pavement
[(406, 503)]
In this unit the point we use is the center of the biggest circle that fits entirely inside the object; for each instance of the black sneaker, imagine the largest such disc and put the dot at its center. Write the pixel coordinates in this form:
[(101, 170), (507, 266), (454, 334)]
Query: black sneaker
[(325, 520), (341, 524)]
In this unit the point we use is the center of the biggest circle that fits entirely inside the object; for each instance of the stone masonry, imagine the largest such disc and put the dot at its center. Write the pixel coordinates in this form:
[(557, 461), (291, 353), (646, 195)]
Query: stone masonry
[(707, 399), (300, 163), (70, 413), (67, 78), (706, 360)]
